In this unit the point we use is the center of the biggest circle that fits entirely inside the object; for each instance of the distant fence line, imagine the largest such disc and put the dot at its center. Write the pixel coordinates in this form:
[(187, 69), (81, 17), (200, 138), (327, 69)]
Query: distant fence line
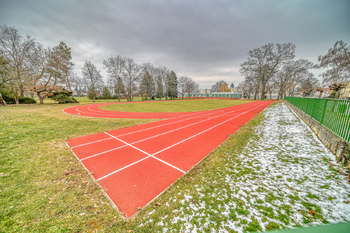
[(215, 95), (333, 114)]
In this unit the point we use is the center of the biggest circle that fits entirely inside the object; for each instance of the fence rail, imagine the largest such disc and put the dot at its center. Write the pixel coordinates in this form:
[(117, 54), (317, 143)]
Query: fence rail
[(221, 95), (334, 114)]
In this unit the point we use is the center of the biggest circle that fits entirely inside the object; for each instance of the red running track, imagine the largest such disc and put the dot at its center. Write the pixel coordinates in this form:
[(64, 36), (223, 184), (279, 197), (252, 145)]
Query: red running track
[(138, 163)]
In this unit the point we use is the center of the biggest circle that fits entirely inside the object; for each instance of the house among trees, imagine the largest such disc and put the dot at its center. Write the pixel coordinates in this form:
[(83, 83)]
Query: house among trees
[(345, 92)]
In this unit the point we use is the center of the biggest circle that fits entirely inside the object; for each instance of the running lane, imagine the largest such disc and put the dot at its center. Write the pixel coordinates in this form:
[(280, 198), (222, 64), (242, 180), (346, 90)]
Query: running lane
[(136, 164)]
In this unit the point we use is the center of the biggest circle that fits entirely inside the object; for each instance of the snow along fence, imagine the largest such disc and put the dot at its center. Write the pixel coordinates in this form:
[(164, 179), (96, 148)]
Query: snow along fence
[(315, 116)]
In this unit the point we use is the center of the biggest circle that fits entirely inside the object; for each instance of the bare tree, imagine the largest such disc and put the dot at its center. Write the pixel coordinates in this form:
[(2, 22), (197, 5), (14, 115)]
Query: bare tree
[(264, 62), (308, 84), (247, 86), (45, 71), (215, 87), (191, 86), (336, 79), (159, 84), (337, 63), (181, 87), (16, 50), (127, 69), (289, 72), (4, 71), (92, 77), (164, 74), (270, 87), (337, 57), (76, 83)]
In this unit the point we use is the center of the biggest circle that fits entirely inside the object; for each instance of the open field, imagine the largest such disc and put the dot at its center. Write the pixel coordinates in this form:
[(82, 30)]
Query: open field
[(175, 106), (44, 188)]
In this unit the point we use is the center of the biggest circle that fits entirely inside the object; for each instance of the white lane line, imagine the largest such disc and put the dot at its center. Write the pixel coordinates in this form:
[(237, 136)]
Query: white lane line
[(92, 142), (91, 156), (149, 155), (164, 125), (122, 168), (117, 148), (146, 153), (203, 131)]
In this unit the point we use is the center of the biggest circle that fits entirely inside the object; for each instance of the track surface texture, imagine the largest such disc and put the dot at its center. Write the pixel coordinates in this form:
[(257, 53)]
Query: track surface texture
[(136, 164)]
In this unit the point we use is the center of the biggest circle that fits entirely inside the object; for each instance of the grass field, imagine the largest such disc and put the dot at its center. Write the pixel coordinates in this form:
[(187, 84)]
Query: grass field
[(174, 106), (44, 188)]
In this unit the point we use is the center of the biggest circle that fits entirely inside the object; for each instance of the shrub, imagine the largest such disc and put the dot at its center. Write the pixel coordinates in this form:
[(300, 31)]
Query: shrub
[(6, 95), (63, 97), (26, 100)]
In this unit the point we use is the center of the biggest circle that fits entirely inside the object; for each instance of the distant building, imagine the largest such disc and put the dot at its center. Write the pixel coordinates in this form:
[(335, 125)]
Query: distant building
[(236, 89), (345, 92), (205, 91)]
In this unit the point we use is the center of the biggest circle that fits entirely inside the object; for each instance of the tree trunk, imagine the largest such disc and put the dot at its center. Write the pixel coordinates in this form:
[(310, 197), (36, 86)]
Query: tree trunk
[(337, 94), (68, 83), (93, 96), (263, 91), (40, 98)]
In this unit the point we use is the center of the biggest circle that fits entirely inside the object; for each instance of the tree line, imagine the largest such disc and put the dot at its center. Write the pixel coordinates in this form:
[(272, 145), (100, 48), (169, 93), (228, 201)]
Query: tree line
[(27, 68), (273, 67)]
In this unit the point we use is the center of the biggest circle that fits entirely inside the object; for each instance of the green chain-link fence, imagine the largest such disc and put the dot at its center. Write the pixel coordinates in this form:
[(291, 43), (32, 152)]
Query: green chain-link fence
[(331, 113)]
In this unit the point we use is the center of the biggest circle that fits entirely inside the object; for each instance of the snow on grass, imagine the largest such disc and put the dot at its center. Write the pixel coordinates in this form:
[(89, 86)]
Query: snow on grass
[(282, 179)]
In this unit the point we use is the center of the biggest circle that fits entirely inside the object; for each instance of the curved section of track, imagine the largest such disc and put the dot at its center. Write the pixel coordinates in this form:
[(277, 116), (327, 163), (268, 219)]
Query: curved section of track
[(93, 110)]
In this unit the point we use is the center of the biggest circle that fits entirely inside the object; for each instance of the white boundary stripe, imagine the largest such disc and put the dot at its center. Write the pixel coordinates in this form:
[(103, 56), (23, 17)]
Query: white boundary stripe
[(91, 156), (147, 153), (160, 126), (169, 146)]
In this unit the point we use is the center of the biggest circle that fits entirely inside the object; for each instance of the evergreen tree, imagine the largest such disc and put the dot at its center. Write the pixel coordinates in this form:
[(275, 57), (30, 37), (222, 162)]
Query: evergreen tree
[(66, 57), (119, 88), (172, 85), (159, 88), (106, 94), (147, 86)]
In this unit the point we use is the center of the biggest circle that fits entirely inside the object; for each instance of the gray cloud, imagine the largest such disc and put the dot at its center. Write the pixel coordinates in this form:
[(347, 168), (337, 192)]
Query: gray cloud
[(206, 40)]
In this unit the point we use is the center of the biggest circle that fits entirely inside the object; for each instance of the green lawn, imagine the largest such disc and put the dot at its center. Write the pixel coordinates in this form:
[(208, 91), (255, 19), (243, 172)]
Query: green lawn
[(43, 187), (174, 106)]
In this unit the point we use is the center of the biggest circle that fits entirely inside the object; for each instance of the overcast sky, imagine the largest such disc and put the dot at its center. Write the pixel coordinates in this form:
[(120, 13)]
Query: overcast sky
[(205, 40)]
